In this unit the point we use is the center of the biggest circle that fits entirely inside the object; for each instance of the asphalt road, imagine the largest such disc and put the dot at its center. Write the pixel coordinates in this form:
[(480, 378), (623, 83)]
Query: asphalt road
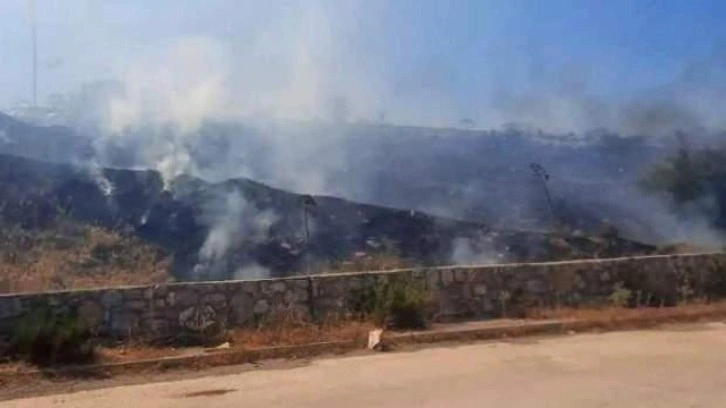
[(683, 366)]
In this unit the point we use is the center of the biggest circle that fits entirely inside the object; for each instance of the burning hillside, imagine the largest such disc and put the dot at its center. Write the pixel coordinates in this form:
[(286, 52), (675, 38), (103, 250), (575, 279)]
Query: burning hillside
[(242, 229)]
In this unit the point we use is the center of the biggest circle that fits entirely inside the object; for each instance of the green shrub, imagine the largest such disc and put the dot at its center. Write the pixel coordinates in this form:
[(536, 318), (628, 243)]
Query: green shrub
[(621, 295), (47, 337), (396, 303)]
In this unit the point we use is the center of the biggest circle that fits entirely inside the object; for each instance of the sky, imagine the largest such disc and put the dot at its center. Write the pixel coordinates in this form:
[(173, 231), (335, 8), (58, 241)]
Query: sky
[(410, 61)]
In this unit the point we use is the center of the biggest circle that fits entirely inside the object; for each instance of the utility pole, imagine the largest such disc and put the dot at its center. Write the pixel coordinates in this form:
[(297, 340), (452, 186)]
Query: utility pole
[(34, 35), (543, 177)]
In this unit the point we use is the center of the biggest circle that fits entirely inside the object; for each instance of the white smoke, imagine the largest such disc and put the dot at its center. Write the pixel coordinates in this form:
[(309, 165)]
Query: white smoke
[(163, 102), (4, 139), (252, 271), (181, 87), (467, 251), (103, 183), (305, 66), (225, 230), (167, 98), (690, 101), (660, 223), (231, 221)]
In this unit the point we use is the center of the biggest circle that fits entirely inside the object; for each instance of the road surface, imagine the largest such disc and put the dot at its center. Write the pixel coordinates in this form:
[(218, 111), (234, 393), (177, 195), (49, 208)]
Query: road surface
[(682, 366)]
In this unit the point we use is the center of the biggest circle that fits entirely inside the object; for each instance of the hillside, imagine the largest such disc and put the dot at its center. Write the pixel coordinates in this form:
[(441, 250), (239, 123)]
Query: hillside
[(481, 176), (51, 143), (240, 228)]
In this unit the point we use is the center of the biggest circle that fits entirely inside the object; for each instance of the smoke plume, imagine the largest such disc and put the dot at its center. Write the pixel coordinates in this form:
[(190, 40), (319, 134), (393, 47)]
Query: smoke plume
[(294, 93), (231, 221), (467, 251)]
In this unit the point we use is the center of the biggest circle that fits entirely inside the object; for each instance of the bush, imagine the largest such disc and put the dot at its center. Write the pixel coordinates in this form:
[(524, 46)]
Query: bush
[(396, 303), (620, 297), (47, 337)]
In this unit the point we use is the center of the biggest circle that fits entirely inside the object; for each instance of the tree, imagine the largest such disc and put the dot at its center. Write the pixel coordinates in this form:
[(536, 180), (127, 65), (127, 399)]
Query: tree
[(688, 176)]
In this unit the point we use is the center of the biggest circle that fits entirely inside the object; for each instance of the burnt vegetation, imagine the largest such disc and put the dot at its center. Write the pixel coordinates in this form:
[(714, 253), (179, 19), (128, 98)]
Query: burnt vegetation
[(56, 204), (84, 221)]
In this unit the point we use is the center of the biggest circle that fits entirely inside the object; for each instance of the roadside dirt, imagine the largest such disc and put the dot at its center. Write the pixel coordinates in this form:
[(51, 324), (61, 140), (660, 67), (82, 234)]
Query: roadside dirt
[(677, 318)]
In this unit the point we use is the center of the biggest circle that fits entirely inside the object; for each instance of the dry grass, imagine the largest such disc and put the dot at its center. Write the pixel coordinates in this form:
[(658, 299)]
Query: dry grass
[(614, 314), (366, 262), (247, 339), (11, 367), (301, 334), (289, 331), (135, 352), (73, 256)]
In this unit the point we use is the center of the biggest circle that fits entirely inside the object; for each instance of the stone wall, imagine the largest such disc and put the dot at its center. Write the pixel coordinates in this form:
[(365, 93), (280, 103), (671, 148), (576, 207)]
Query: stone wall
[(478, 292)]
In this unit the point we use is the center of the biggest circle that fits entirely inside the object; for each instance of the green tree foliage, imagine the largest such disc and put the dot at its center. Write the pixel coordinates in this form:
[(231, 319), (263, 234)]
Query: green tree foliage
[(396, 303), (48, 337)]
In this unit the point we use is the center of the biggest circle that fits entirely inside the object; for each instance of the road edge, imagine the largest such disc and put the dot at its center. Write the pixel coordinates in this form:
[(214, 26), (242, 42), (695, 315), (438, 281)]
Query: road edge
[(390, 341)]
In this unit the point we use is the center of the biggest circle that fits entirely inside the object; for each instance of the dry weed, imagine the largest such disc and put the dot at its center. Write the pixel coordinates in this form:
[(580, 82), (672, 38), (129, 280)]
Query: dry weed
[(74, 256)]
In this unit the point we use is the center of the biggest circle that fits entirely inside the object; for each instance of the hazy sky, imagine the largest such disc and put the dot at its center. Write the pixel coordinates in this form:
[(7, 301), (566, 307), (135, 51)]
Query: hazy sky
[(432, 61)]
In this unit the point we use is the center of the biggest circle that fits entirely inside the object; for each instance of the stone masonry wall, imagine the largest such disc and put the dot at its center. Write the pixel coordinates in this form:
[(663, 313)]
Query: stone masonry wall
[(458, 292)]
